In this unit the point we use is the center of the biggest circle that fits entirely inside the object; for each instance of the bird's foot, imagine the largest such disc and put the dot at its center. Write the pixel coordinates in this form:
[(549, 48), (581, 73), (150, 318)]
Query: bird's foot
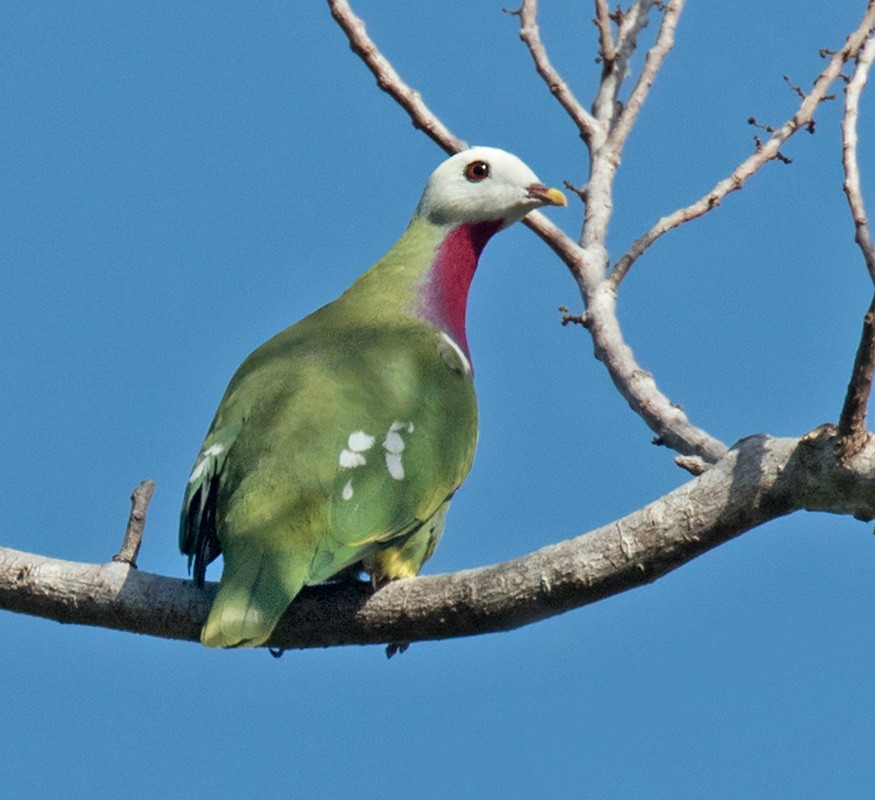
[(396, 647)]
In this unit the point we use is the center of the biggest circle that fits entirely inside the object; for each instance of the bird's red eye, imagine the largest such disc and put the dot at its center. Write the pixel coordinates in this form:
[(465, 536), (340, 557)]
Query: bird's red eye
[(477, 171)]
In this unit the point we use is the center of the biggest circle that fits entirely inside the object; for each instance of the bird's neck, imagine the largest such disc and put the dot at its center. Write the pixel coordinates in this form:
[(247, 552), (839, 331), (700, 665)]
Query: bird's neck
[(426, 274), (443, 295)]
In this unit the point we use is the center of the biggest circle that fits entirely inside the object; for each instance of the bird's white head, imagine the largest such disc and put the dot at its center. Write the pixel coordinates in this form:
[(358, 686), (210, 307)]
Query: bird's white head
[(484, 184)]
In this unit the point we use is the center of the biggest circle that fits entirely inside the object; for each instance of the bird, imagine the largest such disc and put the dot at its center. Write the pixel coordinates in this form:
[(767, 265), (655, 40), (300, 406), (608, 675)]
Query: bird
[(339, 443)]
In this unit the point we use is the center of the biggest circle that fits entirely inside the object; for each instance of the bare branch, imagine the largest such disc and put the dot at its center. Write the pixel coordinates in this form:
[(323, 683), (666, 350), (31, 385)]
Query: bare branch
[(667, 420), (769, 151), (530, 33), (852, 422), (140, 499), (588, 262), (652, 63), (604, 157), (849, 154), (558, 241), (607, 51), (760, 479), (629, 25), (390, 81), (692, 464)]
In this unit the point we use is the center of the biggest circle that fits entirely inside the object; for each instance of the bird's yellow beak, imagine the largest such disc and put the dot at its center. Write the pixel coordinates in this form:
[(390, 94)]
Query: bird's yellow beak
[(548, 196)]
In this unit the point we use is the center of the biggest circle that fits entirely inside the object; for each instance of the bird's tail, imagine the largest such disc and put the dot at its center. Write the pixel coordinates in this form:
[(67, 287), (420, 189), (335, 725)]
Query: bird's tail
[(256, 588)]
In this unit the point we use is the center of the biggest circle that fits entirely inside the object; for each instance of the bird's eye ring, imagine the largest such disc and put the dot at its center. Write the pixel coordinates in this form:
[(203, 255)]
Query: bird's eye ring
[(477, 171)]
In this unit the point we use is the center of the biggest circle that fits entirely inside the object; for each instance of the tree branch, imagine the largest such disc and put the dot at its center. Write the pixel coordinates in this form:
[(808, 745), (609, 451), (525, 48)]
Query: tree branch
[(140, 499), (652, 63), (760, 479), (629, 24), (638, 386), (607, 51), (849, 155), (763, 153), (390, 81), (852, 422), (666, 419), (530, 33)]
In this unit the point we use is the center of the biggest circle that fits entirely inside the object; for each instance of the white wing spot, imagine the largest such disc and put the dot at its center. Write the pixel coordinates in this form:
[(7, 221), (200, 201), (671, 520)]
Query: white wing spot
[(198, 470), (360, 441), (466, 365), (394, 465), (349, 459), (393, 444), (351, 456), (346, 494), (201, 466)]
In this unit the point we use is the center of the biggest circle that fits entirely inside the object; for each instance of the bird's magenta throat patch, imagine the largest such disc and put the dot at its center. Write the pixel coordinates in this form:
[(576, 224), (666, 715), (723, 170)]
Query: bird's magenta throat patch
[(445, 292)]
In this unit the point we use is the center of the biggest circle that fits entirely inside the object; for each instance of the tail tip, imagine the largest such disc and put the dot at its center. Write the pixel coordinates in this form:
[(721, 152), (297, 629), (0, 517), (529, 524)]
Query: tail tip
[(227, 628)]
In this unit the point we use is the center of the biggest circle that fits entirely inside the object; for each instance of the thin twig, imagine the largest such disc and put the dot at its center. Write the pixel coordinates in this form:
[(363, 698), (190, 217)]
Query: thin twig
[(769, 151), (849, 154), (530, 33), (666, 419), (606, 106), (652, 64), (604, 158), (140, 499), (558, 241), (607, 51), (390, 81), (852, 422)]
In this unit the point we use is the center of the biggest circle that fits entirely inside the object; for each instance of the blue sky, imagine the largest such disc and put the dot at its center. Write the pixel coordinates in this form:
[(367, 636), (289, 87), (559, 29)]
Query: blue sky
[(179, 181)]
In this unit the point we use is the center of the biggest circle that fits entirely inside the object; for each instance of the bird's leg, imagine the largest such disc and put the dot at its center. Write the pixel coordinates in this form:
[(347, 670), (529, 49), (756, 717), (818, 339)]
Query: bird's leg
[(378, 581)]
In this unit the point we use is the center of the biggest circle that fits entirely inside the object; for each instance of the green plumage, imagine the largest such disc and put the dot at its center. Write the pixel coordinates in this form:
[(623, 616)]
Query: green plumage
[(272, 487)]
